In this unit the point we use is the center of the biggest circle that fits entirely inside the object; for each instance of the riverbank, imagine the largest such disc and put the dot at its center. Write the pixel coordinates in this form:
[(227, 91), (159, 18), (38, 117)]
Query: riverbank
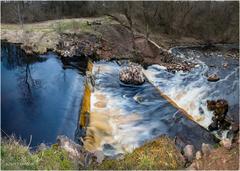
[(160, 153), (104, 38)]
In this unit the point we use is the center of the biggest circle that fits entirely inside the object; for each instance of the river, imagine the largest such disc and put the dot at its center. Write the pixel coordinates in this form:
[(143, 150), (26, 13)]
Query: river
[(40, 97)]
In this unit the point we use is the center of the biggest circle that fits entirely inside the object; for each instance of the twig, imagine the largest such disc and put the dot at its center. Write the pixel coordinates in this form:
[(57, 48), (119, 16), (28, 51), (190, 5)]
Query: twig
[(5, 133), (29, 141)]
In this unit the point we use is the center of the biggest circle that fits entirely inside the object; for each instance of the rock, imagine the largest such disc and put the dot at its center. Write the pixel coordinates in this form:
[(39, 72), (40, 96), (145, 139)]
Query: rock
[(99, 155), (234, 127), (225, 65), (188, 152), (213, 126), (198, 155), (227, 143), (74, 150), (220, 109), (132, 74), (206, 149), (42, 147), (213, 78), (211, 105)]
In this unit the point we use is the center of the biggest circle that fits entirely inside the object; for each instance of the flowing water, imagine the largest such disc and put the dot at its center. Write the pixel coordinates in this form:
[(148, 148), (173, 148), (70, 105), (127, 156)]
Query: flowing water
[(191, 90), (39, 96), (124, 117)]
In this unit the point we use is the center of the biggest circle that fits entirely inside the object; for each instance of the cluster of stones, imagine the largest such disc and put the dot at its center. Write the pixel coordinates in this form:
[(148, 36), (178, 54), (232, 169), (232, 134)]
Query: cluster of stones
[(220, 109), (185, 67), (132, 74), (71, 45)]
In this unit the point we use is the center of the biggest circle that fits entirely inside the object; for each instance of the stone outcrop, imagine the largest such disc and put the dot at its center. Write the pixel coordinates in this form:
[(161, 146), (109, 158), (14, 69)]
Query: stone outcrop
[(132, 74), (76, 152)]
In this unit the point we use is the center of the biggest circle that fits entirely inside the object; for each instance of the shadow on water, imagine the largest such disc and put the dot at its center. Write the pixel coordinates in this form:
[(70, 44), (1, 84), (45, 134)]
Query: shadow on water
[(39, 95)]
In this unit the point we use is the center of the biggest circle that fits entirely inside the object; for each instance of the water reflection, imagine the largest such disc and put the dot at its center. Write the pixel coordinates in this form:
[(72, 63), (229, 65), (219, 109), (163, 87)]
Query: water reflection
[(39, 97)]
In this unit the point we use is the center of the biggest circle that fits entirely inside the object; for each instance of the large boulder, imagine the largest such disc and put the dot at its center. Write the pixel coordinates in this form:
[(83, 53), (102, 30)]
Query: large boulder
[(132, 74)]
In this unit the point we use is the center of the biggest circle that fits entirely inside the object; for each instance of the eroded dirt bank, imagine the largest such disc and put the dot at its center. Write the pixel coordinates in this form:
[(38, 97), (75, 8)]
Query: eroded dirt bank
[(99, 38)]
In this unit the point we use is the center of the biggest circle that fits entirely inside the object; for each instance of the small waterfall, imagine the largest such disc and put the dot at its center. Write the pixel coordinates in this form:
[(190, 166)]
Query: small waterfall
[(124, 117)]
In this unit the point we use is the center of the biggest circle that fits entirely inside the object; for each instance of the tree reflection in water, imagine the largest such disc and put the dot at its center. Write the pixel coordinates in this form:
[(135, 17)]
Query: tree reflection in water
[(15, 58)]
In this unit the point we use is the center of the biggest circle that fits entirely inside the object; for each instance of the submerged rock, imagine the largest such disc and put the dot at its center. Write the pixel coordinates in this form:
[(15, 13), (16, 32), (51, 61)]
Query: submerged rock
[(132, 74), (213, 78)]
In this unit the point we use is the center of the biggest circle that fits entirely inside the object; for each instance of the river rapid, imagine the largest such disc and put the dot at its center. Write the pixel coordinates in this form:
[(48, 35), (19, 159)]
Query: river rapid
[(123, 117)]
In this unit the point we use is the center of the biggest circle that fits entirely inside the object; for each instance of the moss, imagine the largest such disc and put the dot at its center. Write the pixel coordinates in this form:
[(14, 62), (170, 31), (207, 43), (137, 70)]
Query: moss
[(158, 154)]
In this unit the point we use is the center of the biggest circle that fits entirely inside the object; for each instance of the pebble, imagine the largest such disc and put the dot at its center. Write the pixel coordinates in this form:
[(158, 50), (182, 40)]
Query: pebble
[(100, 156), (206, 149), (188, 152), (226, 143), (198, 155)]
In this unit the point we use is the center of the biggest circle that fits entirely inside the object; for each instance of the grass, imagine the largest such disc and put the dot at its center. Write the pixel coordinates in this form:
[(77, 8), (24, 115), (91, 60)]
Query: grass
[(157, 154), (45, 35), (16, 156), (160, 153)]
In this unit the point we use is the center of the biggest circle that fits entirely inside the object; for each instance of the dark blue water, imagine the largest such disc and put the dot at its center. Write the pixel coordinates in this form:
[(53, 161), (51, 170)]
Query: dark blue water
[(39, 96)]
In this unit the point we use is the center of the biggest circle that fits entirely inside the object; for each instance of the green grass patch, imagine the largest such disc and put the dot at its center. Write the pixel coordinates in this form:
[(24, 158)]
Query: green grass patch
[(71, 26), (158, 154), (16, 156)]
